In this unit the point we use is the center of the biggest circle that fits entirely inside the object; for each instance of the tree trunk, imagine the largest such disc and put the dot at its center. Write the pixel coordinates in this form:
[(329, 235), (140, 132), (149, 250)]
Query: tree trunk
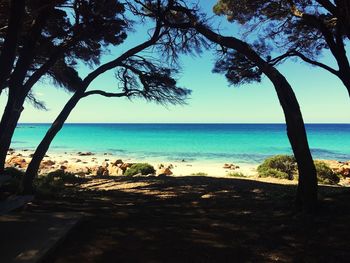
[(8, 51), (9, 120), (33, 167), (345, 78), (307, 187)]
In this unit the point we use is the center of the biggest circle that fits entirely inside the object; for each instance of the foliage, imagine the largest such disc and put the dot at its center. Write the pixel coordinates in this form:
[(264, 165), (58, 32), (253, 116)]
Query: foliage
[(300, 29), (236, 174), (54, 182), (199, 174), (10, 186), (279, 166), (325, 174), (13, 172), (140, 168)]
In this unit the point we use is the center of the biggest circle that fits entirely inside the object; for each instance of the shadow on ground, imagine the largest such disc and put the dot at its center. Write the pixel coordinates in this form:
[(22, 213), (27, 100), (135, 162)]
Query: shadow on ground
[(199, 219)]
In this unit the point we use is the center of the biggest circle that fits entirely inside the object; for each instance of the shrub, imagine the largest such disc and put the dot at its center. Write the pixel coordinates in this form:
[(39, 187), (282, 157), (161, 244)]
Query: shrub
[(199, 174), (13, 172), (279, 166), (236, 174), (142, 168), (325, 174), (63, 176)]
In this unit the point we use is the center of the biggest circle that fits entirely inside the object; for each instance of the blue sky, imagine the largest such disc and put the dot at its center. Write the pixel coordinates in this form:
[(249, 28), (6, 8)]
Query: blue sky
[(322, 97)]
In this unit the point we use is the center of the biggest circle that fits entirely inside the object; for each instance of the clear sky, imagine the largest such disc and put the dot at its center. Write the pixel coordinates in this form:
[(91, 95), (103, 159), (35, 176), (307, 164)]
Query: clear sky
[(322, 97)]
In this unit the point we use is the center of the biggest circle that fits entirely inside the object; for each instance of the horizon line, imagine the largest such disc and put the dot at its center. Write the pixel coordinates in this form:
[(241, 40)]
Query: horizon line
[(182, 123)]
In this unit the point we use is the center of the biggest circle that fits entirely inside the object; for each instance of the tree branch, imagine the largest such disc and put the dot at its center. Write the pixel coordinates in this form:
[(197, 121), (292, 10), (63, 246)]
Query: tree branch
[(105, 94)]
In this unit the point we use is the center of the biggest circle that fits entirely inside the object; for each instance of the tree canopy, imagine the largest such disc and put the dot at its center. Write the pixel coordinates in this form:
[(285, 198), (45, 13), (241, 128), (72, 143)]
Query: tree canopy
[(299, 28)]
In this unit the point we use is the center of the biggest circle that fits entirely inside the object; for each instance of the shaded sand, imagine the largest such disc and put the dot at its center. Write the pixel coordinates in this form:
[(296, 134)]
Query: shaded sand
[(198, 219)]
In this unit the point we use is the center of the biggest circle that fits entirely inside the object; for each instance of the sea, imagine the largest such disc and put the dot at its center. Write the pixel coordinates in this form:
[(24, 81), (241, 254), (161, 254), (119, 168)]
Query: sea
[(237, 143)]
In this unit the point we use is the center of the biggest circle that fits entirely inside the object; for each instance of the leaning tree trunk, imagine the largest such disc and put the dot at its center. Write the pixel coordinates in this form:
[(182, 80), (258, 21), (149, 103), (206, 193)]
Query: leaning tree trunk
[(33, 167), (307, 186), (9, 120), (345, 78)]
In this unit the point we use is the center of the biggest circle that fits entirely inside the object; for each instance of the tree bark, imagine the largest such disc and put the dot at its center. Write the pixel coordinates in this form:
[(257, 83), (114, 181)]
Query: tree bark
[(307, 187), (33, 167), (9, 120), (17, 91), (8, 51)]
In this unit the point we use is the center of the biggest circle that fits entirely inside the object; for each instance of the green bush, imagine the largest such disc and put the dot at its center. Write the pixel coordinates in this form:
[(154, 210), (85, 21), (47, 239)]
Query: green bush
[(63, 176), (11, 185), (279, 166), (199, 174), (325, 174), (13, 172), (54, 182), (142, 168), (236, 174)]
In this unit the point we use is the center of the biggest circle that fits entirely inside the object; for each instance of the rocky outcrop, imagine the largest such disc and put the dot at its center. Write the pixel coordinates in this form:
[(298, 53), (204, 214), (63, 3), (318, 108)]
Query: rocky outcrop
[(230, 166), (164, 171), (85, 153), (17, 161)]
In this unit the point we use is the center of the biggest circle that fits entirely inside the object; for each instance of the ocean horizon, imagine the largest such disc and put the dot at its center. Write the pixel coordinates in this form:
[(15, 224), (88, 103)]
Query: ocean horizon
[(210, 142)]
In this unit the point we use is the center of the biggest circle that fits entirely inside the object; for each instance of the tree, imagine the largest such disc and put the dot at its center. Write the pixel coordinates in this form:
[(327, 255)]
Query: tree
[(297, 28), (177, 15), (52, 39), (138, 76)]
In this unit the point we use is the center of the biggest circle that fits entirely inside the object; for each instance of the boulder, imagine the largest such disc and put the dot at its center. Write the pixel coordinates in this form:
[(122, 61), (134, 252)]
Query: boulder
[(85, 153), (164, 171), (102, 171), (118, 162), (115, 170), (125, 166), (48, 163), (230, 166), (17, 161), (344, 170)]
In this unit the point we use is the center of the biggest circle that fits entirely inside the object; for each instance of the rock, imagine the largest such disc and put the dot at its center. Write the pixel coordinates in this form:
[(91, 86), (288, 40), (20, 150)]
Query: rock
[(125, 166), (118, 162), (48, 163), (62, 167), (102, 171), (230, 166), (164, 171), (344, 170), (78, 161), (85, 153), (115, 170), (105, 164), (17, 161)]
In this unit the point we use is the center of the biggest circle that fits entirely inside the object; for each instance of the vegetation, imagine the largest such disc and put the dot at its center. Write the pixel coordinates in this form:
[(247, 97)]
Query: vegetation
[(285, 167), (325, 174), (279, 166), (236, 174), (199, 174), (244, 62), (140, 168), (296, 29)]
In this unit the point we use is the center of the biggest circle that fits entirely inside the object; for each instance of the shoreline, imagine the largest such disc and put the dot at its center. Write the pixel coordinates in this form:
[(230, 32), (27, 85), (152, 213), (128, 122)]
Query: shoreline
[(89, 164), (77, 161)]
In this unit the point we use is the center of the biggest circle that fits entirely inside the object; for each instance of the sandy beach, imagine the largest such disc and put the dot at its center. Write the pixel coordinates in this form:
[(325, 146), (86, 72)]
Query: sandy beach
[(86, 164), (79, 161)]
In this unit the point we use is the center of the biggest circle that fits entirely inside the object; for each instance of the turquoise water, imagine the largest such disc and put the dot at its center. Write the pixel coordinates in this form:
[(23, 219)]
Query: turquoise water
[(241, 143)]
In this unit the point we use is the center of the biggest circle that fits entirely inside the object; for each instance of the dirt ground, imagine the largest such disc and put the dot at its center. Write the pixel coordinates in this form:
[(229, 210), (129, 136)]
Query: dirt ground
[(199, 219)]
